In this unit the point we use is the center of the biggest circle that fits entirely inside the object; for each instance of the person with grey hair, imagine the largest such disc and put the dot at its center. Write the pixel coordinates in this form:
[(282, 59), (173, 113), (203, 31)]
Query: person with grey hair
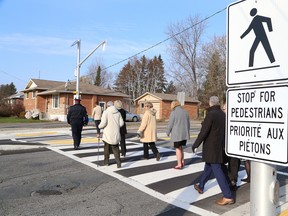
[(123, 129), (111, 121), (212, 134)]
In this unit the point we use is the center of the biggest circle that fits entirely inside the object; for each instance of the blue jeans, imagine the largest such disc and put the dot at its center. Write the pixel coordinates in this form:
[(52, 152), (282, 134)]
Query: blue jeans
[(217, 170)]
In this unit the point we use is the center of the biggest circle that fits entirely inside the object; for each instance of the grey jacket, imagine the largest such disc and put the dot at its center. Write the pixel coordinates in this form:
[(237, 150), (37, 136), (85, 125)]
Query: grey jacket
[(179, 125)]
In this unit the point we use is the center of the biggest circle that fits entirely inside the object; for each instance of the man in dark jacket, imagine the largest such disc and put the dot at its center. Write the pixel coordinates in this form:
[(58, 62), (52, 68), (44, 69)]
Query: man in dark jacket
[(76, 118), (212, 134)]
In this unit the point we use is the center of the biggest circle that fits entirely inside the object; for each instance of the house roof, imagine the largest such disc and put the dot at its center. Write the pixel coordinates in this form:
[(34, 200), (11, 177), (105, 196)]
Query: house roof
[(53, 87), (17, 95), (39, 84), (167, 97)]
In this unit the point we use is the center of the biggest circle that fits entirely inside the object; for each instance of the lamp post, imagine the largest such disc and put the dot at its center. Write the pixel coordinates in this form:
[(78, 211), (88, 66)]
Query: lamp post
[(77, 70)]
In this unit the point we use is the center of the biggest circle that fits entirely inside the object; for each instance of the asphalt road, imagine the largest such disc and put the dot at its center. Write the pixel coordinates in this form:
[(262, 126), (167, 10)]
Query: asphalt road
[(40, 181), (47, 183)]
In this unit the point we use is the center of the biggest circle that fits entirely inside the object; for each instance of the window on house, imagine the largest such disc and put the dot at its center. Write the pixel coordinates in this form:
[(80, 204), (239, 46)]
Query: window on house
[(102, 104), (55, 101), (27, 95), (34, 94), (142, 107)]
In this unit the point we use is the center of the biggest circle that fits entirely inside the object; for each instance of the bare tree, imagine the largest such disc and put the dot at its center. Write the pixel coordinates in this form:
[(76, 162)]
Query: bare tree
[(106, 78), (184, 49)]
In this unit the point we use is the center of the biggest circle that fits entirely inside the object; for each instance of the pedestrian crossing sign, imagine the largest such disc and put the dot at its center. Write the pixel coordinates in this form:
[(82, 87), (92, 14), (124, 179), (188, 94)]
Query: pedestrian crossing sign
[(256, 42)]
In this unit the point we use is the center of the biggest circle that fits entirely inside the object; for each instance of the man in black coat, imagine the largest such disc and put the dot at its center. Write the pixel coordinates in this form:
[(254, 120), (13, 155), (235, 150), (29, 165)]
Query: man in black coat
[(76, 117), (212, 134)]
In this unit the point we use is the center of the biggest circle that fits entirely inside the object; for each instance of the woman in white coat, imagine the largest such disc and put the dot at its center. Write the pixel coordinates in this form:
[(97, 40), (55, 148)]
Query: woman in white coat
[(111, 121)]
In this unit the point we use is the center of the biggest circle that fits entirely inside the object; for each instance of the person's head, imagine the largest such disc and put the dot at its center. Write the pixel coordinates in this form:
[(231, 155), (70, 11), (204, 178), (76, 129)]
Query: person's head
[(253, 12), (148, 105), (109, 103), (77, 100), (118, 104), (174, 104), (214, 100)]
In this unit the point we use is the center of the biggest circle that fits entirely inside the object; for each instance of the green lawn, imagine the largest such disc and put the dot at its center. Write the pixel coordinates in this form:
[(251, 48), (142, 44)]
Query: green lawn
[(18, 120)]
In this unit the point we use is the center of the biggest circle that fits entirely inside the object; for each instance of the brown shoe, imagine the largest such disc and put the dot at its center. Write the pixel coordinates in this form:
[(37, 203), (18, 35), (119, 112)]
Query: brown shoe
[(225, 201), (196, 187)]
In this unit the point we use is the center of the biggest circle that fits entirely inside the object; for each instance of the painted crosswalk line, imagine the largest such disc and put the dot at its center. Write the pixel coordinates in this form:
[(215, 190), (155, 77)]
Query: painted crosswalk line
[(156, 178)]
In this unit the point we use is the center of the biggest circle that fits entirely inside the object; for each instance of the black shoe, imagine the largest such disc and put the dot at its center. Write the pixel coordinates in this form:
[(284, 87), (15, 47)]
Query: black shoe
[(157, 157), (118, 165), (75, 147), (246, 180)]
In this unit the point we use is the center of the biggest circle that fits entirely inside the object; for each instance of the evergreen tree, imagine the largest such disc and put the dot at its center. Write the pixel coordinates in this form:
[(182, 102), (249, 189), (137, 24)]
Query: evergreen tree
[(215, 79), (171, 88), (142, 75), (7, 90), (98, 77)]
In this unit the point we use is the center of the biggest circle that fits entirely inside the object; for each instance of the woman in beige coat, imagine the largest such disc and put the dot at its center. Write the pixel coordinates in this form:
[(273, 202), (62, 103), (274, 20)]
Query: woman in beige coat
[(148, 132)]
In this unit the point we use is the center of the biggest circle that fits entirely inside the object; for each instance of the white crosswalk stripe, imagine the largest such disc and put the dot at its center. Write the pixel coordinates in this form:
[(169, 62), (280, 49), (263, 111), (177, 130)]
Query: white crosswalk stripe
[(146, 173)]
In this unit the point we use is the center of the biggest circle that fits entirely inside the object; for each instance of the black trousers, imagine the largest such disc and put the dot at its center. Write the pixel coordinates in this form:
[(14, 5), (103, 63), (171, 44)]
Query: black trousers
[(97, 122), (123, 144), (76, 128), (146, 149), (233, 168)]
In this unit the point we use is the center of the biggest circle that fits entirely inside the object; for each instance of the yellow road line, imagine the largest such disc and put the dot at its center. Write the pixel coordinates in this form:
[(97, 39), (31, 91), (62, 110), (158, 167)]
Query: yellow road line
[(34, 134), (70, 141)]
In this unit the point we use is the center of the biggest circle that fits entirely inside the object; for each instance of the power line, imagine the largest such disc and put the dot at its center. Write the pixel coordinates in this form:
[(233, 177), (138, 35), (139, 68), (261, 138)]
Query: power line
[(163, 41), (12, 76)]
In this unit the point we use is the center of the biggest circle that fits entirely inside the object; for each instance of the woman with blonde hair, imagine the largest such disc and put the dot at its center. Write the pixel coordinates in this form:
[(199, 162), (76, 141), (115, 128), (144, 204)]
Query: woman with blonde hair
[(148, 132), (179, 128)]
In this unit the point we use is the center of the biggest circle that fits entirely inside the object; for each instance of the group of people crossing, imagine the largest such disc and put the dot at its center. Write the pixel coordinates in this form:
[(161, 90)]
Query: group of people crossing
[(212, 136)]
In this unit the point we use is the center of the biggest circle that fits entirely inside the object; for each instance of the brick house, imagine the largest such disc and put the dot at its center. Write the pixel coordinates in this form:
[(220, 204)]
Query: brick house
[(16, 99), (53, 98), (162, 103)]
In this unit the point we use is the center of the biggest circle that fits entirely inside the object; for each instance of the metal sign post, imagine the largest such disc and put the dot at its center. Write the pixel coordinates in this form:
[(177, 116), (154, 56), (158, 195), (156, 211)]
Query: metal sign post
[(264, 189)]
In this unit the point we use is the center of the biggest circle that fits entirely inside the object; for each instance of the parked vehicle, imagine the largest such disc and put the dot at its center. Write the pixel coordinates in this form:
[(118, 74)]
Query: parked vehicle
[(132, 117)]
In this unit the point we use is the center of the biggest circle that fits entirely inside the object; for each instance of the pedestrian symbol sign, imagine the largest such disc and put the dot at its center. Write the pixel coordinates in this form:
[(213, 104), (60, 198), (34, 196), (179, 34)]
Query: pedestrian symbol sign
[(256, 42), (260, 36)]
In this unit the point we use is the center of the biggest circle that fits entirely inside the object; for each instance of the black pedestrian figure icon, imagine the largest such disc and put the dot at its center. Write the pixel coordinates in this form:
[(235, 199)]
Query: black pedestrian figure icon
[(260, 36)]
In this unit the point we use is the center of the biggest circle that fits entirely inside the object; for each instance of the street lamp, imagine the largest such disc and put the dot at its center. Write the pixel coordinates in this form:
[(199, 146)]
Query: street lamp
[(77, 70)]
